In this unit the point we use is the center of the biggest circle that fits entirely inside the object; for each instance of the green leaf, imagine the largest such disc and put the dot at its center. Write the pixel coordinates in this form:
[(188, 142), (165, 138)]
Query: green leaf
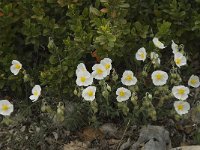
[(53, 59), (126, 5), (164, 29), (95, 11)]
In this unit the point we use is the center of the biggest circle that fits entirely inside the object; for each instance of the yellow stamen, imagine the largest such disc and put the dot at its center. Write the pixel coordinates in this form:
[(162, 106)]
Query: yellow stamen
[(180, 107), (142, 55), (107, 66), (90, 93), (178, 61), (193, 81), (17, 66), (181, 91), (5, 107), (35, 93), (129, 77), (159, 76), (99, 71), (121, 93), (83, 79)]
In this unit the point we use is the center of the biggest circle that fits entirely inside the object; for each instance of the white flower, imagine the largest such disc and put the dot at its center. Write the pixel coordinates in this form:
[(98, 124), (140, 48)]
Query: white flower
[(107, 63), (141, 54), (158, 44), (80, 68), (174, 47), (179, 59), (99, 71), (6, 108), (180, 92), (155, 58), (159, 77), (194, 81), (84, 79), (181, 107), (154, 55), (123, 94), (128, 78), (89, 93), (15, 67), (36, 91)]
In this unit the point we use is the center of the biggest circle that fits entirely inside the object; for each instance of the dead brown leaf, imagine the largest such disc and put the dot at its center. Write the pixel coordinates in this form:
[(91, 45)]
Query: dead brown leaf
[(90, 134)]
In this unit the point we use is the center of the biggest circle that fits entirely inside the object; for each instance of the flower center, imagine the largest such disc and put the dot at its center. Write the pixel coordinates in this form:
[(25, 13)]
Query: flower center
[(107, 66), (159, 43), (5, 107), (17, 66), (159, 76), (180, 107), (121, 93), (99, 71), (129, 77), (90, 93), (142, 55), (193, 81), (83, 79), (35, 93), (181, 91), (178, 61)]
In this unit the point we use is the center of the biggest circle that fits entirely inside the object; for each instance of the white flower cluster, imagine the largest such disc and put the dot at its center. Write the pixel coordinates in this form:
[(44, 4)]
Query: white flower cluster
[(85, 78), (159, 77), (6, 108), (102, 70), (36, 91), (182, 93)]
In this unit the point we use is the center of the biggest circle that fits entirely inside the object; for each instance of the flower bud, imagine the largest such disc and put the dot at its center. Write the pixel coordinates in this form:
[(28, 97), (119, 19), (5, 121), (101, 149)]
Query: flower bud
[(172, 81), (165, 97), (125, 110), (146, 103), (134, 99), (75, 92), (108, 87), (198, 108), (94, 106), (114, 75), (150, 96), (144, 73), (101, 82), (60, 108), (45, 107), (136, 88), (177, 117), (26, 78), (105, 94), (160, 104), (51, 44), (173, 75)]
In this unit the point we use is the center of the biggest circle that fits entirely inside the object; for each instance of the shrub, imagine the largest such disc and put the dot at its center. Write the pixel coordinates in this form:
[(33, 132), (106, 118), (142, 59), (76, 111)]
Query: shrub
[(50, 38)]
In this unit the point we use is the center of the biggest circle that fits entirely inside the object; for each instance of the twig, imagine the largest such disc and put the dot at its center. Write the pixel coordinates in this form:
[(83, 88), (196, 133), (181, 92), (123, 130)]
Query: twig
[(123, 135)]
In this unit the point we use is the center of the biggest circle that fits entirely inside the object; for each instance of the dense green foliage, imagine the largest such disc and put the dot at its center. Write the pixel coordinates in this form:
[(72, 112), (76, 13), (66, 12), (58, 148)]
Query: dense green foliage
[(51, 37), (113, 28)]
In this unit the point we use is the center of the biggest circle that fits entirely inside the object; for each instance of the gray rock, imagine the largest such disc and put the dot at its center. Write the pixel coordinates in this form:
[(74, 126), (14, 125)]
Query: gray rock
[(153, 138)]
